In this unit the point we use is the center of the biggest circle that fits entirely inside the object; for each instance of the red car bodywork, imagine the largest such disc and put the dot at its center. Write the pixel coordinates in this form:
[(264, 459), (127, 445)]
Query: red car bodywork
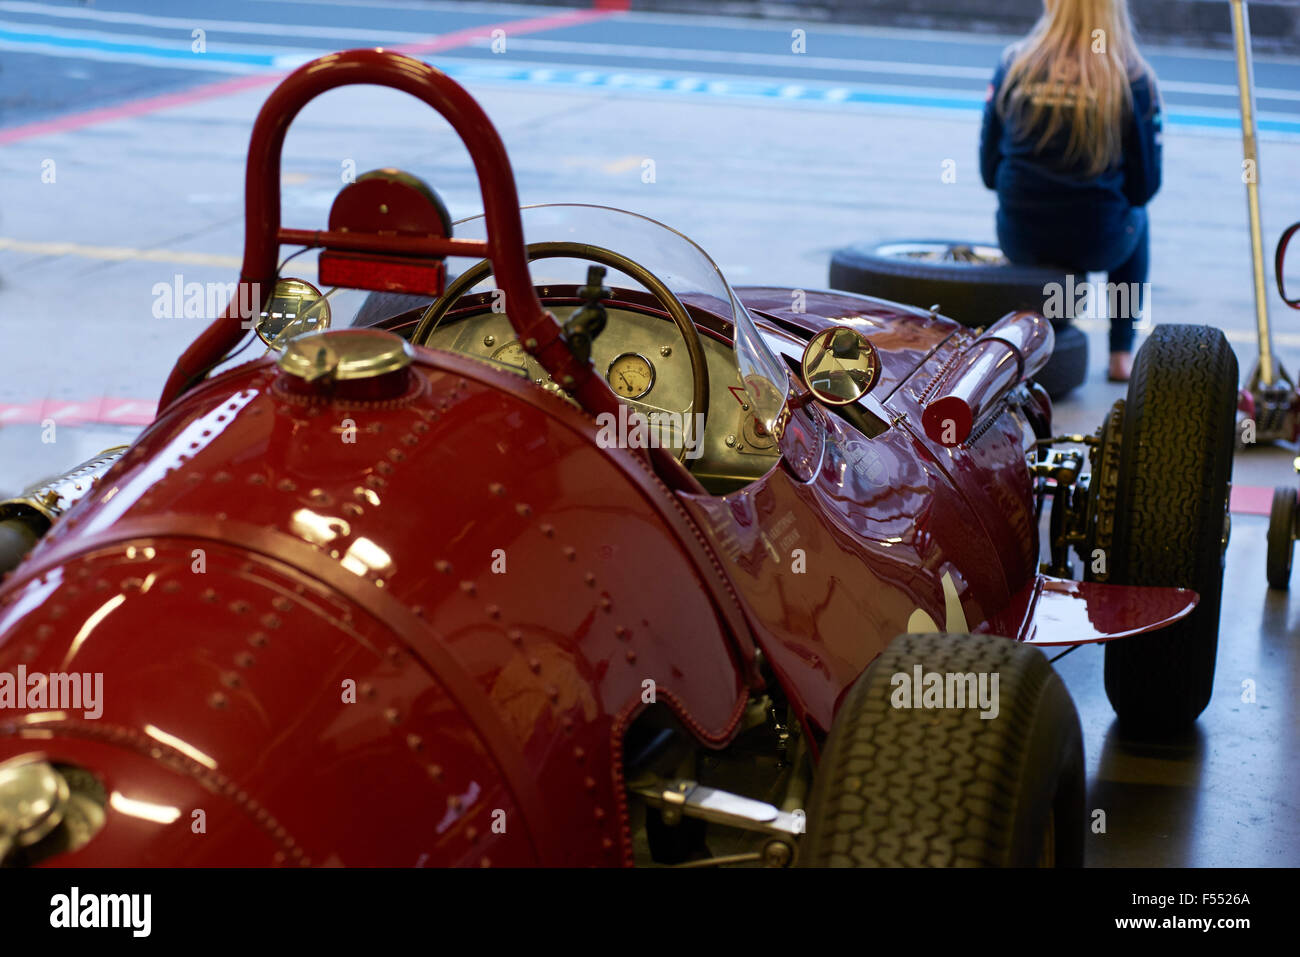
[(312, 656)]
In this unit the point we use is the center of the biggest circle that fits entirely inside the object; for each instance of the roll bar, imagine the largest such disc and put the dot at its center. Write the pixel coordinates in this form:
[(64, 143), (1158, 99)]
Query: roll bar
[(504, 246)]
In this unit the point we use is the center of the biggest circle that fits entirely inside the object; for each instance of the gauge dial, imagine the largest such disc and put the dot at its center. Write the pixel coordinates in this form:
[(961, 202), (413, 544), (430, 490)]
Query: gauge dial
[(631, 375), (512, 354)]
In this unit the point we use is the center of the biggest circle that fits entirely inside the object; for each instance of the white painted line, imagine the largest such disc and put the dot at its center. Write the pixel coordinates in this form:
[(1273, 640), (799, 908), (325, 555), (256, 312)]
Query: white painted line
[(694, 55), (119, 253), (694, 21), (1225, 89)]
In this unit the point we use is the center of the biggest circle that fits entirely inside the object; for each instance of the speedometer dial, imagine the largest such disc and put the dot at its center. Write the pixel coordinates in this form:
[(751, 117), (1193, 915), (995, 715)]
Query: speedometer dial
[(631, 375), (512, 354)]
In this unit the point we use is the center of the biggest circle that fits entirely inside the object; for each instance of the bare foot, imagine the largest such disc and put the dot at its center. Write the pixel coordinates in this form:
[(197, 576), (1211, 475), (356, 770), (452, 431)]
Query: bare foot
[(1121, 366)]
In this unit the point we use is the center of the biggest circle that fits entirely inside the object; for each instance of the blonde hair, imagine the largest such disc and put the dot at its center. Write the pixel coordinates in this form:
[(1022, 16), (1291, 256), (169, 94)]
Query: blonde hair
[(1088, 45)]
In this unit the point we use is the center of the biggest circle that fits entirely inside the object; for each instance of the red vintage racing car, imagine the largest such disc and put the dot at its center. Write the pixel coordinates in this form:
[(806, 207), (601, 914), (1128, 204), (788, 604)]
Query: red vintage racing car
[(587, 558)]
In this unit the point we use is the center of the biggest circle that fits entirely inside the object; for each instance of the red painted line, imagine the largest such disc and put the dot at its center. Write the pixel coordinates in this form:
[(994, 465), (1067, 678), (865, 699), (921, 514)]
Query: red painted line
[(105, 410), (1251, 500), (104, 114), (152, 104), (460, 38)]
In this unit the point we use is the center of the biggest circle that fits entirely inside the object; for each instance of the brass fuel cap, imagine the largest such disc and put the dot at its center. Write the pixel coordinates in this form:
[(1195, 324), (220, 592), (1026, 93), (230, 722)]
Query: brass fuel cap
[(33, 797), (343, 355)]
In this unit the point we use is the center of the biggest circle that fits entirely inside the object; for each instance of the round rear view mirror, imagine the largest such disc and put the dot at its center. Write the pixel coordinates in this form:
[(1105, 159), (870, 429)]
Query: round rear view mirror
[(296, 308), (840, 365)]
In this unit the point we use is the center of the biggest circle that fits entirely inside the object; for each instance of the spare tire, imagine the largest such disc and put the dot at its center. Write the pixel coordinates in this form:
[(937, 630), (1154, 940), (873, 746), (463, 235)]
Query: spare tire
[(1068, 366), (972, 282), (381, 306)]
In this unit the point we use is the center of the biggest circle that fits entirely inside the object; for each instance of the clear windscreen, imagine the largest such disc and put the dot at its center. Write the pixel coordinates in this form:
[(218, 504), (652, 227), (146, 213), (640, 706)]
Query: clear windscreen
[(676, 260)]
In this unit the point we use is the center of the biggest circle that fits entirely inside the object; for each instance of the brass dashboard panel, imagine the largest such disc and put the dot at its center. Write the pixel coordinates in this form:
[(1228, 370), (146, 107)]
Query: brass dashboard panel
[(731, 452)]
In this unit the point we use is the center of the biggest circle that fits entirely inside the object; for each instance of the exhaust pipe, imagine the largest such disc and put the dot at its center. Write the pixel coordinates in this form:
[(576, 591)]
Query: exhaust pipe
[(1008, 353)]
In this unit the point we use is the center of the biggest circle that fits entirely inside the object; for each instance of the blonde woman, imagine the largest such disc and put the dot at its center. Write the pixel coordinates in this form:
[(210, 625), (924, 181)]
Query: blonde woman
[(1071, 143)]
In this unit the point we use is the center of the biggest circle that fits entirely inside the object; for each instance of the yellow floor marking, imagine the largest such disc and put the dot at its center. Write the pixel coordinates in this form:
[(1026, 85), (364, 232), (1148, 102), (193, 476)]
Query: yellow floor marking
[(185, 258), (623, 165), (128, 254)]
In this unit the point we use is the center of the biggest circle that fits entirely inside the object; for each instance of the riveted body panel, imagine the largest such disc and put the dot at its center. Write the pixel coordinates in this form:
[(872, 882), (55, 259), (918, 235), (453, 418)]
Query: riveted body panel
[(423, 616)]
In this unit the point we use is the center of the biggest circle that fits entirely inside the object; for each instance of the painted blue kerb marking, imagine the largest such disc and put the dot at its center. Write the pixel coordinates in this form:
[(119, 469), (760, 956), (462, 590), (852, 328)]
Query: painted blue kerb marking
[(135, 49), (789, 91)]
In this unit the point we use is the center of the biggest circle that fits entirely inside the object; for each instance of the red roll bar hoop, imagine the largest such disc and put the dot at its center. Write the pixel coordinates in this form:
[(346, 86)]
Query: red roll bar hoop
[(536, 329)]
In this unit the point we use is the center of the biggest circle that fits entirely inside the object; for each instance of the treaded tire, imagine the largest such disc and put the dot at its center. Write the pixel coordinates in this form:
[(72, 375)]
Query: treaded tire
[(1281, 537), (944, 787), (1172, 499), (973, 295), (379, 306), (1068, 366)]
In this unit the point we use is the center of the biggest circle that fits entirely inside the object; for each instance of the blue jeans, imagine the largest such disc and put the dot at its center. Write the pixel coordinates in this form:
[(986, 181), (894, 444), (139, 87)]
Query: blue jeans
[(1123, 254)]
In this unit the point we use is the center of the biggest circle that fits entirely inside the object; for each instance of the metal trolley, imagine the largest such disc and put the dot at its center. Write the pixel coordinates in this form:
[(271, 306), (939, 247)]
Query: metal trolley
[(1269, 402)]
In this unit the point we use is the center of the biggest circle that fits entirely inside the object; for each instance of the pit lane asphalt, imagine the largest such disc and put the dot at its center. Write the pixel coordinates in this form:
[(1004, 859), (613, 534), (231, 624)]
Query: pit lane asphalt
[(768, 158)]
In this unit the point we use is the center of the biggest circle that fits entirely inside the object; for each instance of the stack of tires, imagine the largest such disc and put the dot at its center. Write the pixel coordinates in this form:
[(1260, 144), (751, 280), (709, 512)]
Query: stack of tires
[(972, 283)]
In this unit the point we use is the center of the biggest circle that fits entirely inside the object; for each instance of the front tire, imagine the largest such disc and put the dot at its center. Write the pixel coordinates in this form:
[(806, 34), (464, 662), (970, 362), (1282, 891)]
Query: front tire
[(1171, 521), (943, 787)]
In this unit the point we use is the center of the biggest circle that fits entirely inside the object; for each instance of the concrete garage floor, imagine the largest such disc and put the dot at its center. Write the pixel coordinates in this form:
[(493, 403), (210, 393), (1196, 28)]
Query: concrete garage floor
[(1226, 794), (769, 185)]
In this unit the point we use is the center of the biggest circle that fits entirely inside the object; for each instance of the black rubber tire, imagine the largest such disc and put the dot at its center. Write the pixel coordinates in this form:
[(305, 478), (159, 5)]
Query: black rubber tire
[(1068, 367), (898, 787), (1172, 499), (970, 294), (1281, 537), (379, 306)]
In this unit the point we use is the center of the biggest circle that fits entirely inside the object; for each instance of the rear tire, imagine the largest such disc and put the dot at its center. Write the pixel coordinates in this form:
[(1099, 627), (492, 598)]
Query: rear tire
[(1171, 521), (945, 787), (1281, 537), (381, 306)]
